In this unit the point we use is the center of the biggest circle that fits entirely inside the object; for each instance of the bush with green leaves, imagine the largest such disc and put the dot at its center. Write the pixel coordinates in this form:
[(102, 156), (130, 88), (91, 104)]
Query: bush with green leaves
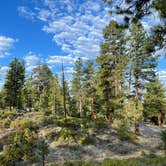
[(26, 146), (163, 138), (125, 135), (22, 123), (69, 135)]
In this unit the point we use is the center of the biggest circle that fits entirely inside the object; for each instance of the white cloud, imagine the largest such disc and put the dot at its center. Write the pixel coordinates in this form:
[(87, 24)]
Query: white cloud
[(161, 52), (3, 71), (31, 61), (26, 12), (151, 20), (75, 26), (57, 59), (162, 76), (6, 43)]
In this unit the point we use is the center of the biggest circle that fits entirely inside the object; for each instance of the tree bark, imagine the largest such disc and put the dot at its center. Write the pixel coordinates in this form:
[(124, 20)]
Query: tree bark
[(137, 128), (160, 119)]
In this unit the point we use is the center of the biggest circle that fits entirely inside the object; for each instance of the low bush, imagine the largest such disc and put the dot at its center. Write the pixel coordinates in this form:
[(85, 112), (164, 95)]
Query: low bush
[(50, 134), (163, 138), (7, 114), (25, 146), (22, 123), (45, 120), (68, 135), (126, 135), (5, 123)]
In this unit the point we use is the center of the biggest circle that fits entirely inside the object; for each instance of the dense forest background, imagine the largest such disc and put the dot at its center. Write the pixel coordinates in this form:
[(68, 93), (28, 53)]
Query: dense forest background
[(121, 85)]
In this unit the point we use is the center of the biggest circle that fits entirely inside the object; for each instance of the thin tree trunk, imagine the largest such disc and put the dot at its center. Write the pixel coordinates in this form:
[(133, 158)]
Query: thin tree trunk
[(91, 108), (64, 92), (137, 127), (160, 119), (43, 160), (80, 107), (137, 98), (116, 88)]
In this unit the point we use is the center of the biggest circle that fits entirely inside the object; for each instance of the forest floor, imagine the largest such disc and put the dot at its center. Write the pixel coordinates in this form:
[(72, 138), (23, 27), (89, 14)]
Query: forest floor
[(107, 145), (104, 142)]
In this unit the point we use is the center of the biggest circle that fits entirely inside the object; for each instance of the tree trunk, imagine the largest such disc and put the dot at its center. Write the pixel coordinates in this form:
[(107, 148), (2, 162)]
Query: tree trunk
[(43, 160), (117, 86), (108, 118), (160, 119), (137, 128), (93, 113), (80, 108)]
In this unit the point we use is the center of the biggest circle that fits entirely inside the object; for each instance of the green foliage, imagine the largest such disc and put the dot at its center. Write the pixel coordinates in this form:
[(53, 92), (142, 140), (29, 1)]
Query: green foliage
[(50, 134), (112, 63), (77, 86), (55, 96), (126, 135), (155, 98), (25, 146), (42, 149), (14, 84), (22, 123), (163, 138), (5, 123), (69, 136)]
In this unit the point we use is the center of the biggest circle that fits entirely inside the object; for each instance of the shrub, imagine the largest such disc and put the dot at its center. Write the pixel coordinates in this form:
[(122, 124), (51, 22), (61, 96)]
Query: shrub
[(45, 120), (5, 123), (26, 146), (125, 135), (163, 138), (68, 135), (22, 123), (50, 134)]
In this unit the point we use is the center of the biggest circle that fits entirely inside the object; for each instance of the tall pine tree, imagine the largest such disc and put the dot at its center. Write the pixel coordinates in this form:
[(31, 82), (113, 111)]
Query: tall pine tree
[(14, 84), (112, 63)]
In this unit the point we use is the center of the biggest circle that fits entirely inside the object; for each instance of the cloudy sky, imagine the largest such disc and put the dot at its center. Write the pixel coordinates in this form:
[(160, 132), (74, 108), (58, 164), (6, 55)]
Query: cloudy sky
[(48, 31)]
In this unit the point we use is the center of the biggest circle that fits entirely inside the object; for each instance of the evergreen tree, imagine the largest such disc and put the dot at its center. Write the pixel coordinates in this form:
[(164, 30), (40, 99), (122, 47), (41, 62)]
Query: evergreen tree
[(142, 64), (41, 80), (134, 10), (89, 88), (43, 149), (14, 84), (155, 100), (55, 96), (112, 63), (29, 94), (44, 101), (77, 85)]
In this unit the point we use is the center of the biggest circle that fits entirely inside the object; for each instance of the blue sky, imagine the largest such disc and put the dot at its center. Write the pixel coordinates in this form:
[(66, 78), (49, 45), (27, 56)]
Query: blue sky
[(48, 31)]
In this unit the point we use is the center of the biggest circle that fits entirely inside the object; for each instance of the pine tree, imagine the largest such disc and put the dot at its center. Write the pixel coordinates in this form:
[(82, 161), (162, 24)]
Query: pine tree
[(14, 84), (77, 85), (44, 102), (155, 100), (41, 80), (55, 96), (142, 64), (112, 63), (29, 94), (89, 88)]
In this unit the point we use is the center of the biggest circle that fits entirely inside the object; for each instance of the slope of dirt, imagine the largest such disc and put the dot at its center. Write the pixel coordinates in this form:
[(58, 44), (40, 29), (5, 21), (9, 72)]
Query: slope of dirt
[(105, 143)]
